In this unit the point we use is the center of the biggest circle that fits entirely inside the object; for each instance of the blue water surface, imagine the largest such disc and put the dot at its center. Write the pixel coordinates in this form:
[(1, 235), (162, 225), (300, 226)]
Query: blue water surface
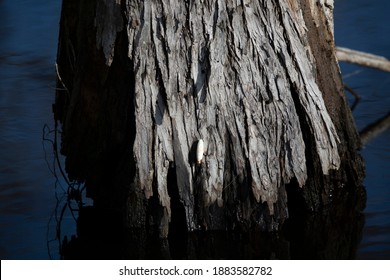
[(28, 44), (365, 26)]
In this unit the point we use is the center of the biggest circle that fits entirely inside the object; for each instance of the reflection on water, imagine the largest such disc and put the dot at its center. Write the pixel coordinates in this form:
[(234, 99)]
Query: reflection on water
[(328, 236), (364, 25), (29, 193)]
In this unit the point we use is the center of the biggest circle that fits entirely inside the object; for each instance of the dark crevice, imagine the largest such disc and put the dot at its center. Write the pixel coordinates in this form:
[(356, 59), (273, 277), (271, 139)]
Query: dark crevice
[(162, 98), (177, 235), (311, 193), (215, 18), (295, 200), (232, 199)]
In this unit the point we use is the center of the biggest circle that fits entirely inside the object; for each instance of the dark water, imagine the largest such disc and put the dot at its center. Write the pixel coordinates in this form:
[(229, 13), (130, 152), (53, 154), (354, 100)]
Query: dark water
[(365, 25), (29, 192), (28, 42)]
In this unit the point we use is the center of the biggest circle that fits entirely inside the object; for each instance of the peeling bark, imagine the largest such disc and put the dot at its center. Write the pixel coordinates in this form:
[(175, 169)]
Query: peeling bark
[(246, 77)]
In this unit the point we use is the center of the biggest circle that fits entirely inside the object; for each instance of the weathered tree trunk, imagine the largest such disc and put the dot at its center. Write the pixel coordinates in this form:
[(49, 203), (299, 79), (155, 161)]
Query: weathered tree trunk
[(258, 81)]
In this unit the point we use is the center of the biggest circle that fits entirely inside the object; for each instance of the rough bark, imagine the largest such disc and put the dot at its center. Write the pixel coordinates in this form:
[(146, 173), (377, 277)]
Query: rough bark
[(258, 81)]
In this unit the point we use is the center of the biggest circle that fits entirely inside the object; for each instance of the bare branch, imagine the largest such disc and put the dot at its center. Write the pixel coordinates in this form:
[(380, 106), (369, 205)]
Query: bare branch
[(362, 58)]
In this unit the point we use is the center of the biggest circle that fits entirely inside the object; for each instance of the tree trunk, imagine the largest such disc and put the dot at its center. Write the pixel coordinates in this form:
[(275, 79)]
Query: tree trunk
[(258, 81)]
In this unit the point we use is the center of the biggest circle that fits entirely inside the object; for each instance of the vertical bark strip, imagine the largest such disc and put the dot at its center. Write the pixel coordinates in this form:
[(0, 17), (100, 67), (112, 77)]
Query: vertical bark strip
[(242, 76)]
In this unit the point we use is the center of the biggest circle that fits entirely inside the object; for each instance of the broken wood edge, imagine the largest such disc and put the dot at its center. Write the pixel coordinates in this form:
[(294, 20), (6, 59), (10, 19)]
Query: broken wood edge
[(363, 59)]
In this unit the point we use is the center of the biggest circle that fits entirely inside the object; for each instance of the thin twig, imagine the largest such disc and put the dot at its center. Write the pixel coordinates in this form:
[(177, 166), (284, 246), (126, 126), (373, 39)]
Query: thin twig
[(373, 130), (354, 94), (352, 91), (60, 79)]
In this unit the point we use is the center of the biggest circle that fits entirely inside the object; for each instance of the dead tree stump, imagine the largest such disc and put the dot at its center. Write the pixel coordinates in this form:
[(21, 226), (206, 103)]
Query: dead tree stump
[(257, 81)]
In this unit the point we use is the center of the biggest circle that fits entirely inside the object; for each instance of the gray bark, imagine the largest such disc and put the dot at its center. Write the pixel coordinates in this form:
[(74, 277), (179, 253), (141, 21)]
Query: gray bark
[(152, 78)]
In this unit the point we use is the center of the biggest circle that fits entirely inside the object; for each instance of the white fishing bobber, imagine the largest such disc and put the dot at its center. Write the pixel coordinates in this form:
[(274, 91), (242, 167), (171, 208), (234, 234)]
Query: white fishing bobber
[(199, 151)]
